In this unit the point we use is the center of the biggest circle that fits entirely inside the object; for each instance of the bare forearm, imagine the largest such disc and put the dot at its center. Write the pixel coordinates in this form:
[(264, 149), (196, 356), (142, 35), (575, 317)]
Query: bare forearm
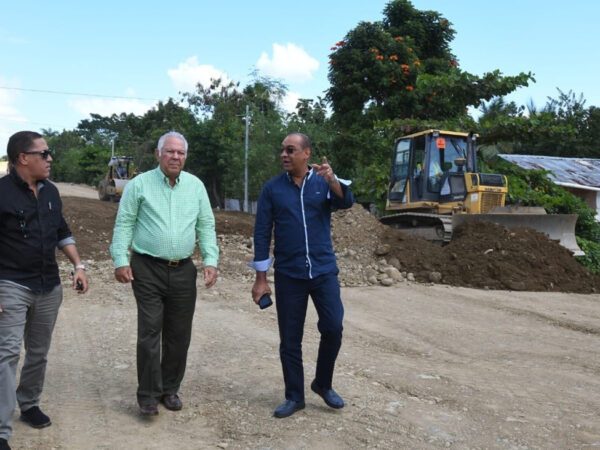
[(71, 252)]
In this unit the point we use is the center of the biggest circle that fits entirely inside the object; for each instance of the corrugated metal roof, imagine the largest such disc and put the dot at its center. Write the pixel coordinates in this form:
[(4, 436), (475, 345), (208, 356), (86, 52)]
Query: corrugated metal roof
[(583, 173)]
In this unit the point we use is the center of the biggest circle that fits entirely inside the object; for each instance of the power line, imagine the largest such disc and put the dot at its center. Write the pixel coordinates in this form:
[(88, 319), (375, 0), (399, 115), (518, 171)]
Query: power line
[(44, 91), (8, 119)]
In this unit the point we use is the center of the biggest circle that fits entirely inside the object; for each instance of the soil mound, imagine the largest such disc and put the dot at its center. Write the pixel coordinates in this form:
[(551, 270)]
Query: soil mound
[(486, 255), (481, 255)]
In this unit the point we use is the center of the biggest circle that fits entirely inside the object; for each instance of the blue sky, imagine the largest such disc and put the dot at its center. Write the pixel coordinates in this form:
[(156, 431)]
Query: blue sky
[(151, 50)]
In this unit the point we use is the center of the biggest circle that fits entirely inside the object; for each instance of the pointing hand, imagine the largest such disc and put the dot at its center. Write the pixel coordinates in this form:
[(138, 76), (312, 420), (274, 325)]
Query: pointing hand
[(325, 170)]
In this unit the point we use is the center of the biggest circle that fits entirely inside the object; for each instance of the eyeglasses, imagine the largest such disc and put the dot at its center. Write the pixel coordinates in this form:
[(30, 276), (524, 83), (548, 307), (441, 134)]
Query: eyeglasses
[(289, 149), (44, 154)]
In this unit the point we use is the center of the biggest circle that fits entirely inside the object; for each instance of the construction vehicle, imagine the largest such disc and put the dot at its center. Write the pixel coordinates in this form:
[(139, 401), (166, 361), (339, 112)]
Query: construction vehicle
[(120, 171), (435, 186)]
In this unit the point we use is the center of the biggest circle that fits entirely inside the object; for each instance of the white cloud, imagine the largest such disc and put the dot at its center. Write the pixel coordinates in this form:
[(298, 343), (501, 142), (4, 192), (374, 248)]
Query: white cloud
[(290, 101), (107, 107), (289, 62), (189, 73)]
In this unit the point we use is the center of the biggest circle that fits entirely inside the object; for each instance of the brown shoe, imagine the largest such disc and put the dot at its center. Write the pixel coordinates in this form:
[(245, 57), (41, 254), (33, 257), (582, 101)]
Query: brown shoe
[(149, 410), (172, 402)]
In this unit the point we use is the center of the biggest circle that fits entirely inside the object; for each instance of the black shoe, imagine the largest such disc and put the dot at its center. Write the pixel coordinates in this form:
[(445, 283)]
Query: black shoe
[(329, 395), (4, 444), (172, 402), (149, 410), (35, 418), (288, 408)]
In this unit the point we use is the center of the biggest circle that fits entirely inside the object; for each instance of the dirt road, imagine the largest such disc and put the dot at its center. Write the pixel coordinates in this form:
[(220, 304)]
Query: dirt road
[(422, 366)]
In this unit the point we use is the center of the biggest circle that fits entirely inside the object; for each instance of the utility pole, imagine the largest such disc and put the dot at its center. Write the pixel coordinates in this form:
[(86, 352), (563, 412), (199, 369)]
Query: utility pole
[(247, 120), (112, 146)]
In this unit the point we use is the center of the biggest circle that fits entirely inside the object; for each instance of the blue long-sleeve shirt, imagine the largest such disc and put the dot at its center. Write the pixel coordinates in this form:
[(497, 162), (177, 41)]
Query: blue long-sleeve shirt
[(300, 217)]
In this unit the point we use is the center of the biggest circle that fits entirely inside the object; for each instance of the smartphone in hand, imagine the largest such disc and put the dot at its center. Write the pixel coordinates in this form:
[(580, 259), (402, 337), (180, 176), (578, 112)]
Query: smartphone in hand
[(265, 301)]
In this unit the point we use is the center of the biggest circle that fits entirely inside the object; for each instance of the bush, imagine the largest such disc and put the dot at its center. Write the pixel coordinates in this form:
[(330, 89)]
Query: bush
[(591, 260)]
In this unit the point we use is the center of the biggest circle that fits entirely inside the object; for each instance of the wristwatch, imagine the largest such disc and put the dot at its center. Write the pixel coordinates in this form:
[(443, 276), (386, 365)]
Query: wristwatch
[(80, 267)]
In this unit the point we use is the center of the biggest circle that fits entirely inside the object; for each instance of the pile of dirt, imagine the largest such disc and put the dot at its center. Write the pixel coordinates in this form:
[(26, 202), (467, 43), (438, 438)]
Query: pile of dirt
[(481, 255), (487, 255)]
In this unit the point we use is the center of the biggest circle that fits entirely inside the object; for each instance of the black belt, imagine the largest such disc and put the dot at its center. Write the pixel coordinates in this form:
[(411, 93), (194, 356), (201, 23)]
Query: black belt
[(168, 262)]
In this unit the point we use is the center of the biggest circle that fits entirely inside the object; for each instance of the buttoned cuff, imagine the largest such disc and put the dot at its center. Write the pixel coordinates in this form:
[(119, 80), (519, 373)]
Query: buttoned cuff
[(344, 182), (261, 266)]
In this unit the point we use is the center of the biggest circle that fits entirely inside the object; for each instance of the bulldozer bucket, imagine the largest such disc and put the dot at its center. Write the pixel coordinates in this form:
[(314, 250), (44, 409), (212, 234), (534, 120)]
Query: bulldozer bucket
[(558, 227)]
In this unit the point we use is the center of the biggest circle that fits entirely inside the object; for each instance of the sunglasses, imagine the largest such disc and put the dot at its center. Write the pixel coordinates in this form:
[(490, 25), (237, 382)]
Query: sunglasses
[(44, 154), (289, 149)]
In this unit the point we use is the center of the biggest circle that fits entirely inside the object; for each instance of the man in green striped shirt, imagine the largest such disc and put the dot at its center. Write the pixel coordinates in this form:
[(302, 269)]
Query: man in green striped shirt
[(162, 214)]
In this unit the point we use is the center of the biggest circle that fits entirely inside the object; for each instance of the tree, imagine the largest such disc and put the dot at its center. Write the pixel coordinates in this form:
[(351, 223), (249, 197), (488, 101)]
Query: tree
[(398, 76), (220, 110), (563, 127), (402, 67)]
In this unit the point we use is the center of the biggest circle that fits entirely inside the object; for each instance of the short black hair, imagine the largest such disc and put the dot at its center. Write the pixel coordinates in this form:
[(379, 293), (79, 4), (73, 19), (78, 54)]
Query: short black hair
[(306, 143), (20, 142)]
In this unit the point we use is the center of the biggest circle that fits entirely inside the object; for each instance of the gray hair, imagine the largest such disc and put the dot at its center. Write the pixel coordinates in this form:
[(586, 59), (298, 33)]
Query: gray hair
[(173, 134)]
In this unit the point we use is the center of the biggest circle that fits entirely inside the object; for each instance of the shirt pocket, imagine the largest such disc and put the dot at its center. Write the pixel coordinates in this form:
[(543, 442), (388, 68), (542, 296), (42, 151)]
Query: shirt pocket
[(50, 217)]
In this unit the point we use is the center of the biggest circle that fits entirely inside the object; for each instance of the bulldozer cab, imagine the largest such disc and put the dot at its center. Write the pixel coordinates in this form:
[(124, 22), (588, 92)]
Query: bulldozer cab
[(120, 167), (429, 167), (120, 171)]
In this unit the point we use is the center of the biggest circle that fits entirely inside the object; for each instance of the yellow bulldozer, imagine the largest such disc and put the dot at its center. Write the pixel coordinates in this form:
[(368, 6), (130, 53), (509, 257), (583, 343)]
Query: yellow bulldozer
[(120, 171), (435, 186)]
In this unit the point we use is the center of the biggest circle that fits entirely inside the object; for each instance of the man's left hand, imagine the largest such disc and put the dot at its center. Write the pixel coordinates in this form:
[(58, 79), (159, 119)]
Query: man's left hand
[(80, 277), (210, 276), (325, 170)]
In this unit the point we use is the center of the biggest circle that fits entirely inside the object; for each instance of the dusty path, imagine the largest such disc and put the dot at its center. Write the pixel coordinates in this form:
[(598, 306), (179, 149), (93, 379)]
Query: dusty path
[(77, 190), (421, 367)]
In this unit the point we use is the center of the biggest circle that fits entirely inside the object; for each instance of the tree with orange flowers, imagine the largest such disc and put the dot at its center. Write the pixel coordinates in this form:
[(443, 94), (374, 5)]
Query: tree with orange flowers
[(402, 68)]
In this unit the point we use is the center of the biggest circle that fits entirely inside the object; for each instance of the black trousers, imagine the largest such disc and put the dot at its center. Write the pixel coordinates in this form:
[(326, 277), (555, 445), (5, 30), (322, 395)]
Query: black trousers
[(166, 300), (291, 296)]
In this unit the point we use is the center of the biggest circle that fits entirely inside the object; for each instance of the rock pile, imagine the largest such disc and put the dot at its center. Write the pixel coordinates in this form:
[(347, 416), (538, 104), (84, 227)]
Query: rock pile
[(480, 255)]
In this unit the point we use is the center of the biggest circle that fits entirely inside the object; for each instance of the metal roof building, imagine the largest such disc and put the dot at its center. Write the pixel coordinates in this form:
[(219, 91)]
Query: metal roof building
[(581, 176)]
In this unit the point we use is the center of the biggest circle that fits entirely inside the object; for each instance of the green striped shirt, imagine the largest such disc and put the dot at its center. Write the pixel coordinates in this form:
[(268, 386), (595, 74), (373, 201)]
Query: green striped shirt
[(163, 221)]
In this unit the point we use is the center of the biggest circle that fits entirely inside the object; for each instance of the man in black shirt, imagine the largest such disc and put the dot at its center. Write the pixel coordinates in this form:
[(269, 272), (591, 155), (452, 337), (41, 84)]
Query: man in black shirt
[(31, 228)]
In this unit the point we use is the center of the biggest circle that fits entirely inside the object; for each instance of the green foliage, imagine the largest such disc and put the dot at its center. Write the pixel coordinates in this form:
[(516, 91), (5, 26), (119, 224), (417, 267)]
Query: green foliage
[(219, 159), (370, 185), (402, 67), (591, 259), (564, 127)]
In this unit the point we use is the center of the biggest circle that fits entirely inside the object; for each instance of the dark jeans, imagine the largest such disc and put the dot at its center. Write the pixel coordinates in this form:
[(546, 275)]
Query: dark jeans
[(166, 300), (291, 301)]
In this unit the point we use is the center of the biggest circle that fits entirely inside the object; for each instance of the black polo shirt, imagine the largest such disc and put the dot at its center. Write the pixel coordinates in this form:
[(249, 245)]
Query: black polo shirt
[(30, 231)]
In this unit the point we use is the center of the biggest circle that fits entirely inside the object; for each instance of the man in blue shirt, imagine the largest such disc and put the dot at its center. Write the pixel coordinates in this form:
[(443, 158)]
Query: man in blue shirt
[(296, 206)]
